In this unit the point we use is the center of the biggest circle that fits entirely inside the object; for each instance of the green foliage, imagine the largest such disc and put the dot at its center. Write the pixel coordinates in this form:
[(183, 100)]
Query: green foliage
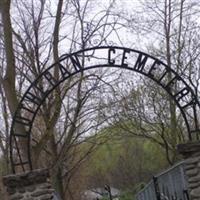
[(105, 198), (124, 162), (130, 149), (127, 195)]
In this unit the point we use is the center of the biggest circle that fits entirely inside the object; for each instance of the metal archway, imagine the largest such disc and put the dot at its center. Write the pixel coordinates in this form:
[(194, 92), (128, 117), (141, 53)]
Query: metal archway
[(97, 57)]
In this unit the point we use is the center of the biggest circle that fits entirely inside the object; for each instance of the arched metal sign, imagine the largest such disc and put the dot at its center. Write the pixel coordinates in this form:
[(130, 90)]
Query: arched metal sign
[(97, 57)]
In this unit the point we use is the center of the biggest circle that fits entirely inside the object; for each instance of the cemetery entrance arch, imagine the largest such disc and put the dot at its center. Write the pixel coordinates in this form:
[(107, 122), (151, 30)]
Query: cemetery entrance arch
[(98, 57)]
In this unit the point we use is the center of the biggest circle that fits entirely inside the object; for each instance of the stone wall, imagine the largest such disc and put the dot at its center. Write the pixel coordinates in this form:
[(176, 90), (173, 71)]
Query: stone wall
[(191, 154), (32, 185)]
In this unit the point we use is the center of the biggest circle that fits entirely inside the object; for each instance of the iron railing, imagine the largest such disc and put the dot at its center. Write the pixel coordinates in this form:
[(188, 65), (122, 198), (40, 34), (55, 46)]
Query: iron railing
[(168, 185)]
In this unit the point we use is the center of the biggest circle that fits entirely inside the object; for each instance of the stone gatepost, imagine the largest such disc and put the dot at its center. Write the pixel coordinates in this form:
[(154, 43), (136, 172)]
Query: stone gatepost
[(191, 154), (32, 185)]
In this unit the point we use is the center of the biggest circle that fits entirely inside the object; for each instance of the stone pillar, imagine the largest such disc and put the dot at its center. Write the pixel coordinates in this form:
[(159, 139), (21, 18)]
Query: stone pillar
[(32, 185), (191, 154)]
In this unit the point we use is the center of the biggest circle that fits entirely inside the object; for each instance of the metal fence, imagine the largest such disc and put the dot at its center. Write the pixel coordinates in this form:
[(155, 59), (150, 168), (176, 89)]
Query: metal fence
[(168, 185)]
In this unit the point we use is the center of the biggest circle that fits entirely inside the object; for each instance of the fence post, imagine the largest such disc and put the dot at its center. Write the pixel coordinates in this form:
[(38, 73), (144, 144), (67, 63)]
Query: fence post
[(155, 181), (108, 189)]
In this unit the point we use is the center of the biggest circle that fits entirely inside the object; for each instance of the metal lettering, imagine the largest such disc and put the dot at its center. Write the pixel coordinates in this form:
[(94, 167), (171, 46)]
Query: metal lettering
[(179, 95), (111, 61), (38, 91), (191, 103), (76, 63), (22, 120), (63, 71), (153, 68), (166, 72), (50, 78), (33, 98), (124, 57), (140, 63), (27, 109), (172, 81)]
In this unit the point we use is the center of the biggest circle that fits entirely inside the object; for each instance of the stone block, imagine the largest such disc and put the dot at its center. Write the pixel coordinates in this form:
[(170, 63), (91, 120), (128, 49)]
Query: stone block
[(190, 166), (191, 154), (192, 172), (195, 193), (194, 179), (189, 148), (32, 185), (192, 161)]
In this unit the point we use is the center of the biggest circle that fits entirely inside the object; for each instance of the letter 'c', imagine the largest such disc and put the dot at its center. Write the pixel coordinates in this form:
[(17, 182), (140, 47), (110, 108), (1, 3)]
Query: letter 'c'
[(111, 61)]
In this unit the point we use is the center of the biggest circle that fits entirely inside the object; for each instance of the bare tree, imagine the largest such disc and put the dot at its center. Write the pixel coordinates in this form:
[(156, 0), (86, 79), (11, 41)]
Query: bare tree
[(35, 35), (172, 27)]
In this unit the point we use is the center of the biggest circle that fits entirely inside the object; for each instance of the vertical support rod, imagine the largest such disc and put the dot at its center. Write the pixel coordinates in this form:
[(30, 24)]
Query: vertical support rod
[(155, 181)]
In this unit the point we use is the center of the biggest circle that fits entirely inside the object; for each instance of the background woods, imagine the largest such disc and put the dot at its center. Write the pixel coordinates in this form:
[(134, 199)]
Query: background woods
[(105, 126)]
